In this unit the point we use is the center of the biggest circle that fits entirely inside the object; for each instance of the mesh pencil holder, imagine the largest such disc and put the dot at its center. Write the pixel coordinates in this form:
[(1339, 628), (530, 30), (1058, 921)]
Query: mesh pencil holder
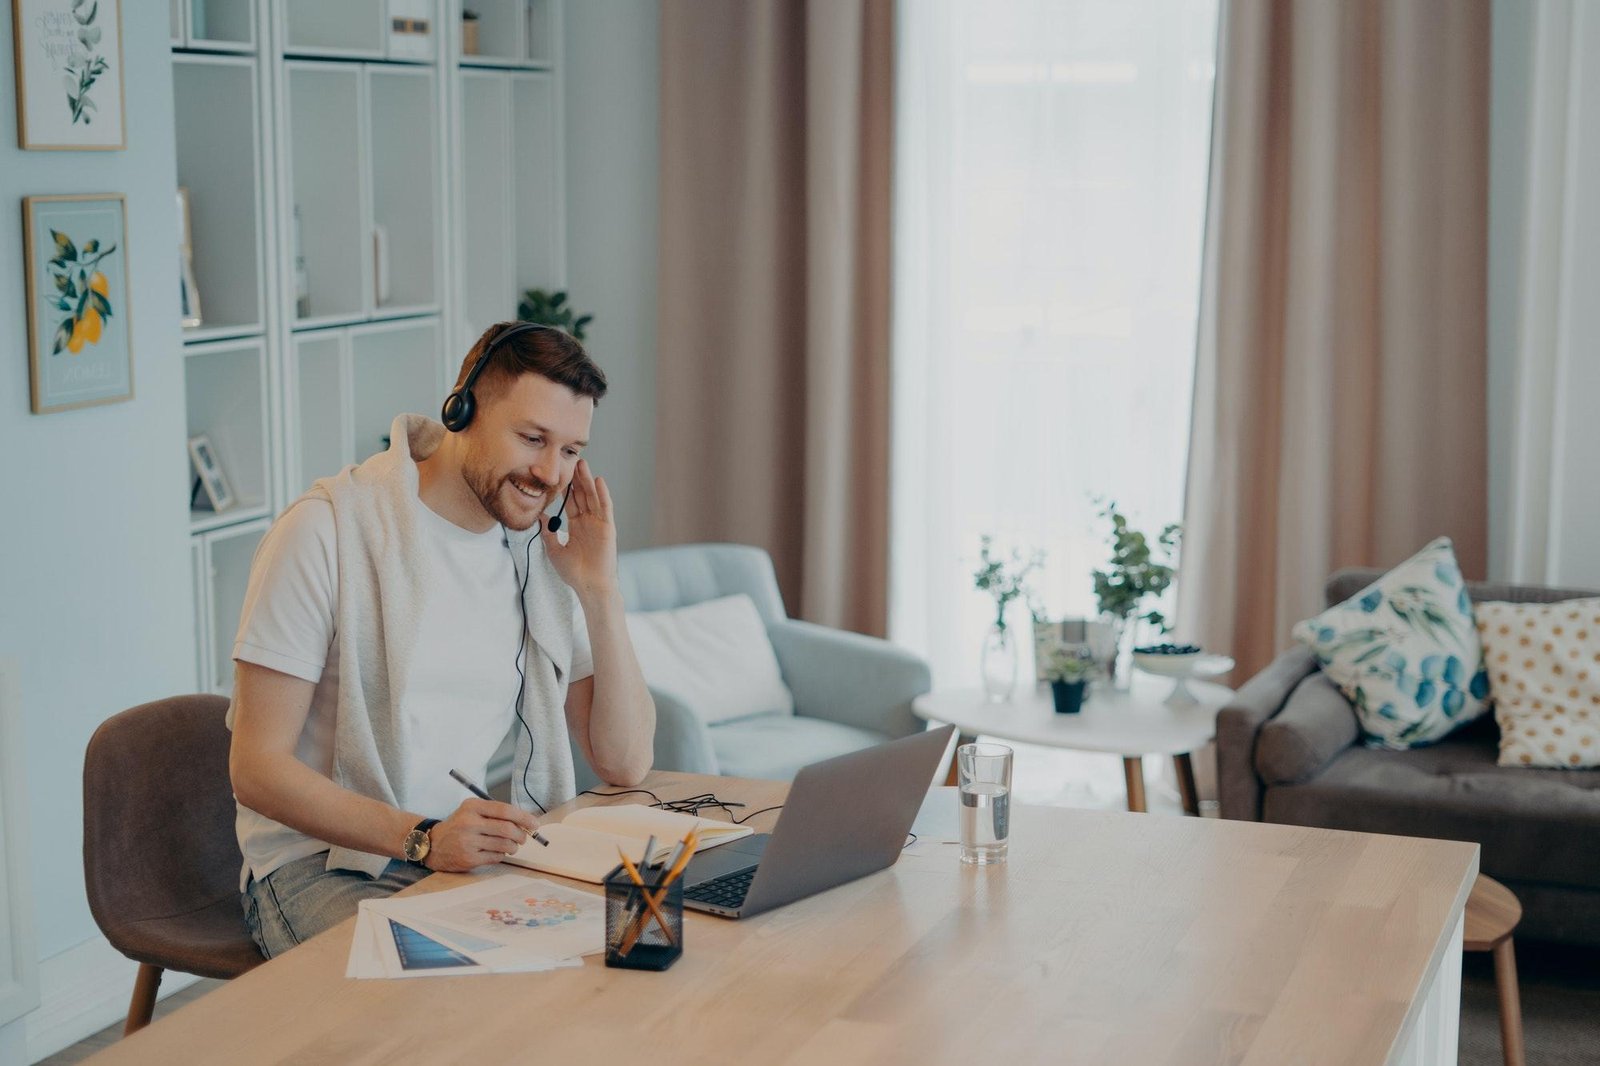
[(637, 936)]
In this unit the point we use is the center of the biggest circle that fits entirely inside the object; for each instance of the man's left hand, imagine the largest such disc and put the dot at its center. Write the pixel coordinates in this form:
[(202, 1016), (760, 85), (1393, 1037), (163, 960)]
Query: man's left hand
[(588, 560)]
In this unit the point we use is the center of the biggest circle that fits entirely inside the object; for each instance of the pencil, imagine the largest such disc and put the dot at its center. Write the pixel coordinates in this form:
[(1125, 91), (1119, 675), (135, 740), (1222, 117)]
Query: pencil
[(633, 875), (691, 844), (481, 794)]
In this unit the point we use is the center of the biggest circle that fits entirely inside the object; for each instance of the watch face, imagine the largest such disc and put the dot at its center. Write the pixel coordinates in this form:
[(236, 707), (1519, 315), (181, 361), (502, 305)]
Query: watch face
[(416, 845)]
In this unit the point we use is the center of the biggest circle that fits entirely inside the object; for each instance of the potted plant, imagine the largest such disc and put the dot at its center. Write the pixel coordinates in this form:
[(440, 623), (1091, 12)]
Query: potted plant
[(1068, 673), (1133, 573), (1004, 582), (552, 309)]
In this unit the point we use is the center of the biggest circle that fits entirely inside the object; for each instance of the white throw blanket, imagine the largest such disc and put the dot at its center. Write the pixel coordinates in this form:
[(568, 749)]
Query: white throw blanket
[(383, 571)]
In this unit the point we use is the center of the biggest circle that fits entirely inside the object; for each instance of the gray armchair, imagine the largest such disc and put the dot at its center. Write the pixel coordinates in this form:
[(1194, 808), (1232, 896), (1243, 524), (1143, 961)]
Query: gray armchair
[(850, 691), (1289, 751)]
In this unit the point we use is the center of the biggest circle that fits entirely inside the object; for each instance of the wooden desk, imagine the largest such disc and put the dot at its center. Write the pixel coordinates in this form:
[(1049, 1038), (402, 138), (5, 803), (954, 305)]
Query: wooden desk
[(1108, 938)]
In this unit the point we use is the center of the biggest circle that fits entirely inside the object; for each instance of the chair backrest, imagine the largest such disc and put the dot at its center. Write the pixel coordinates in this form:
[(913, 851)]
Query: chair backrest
[(1346, 583), (659, 579), (158, 812)]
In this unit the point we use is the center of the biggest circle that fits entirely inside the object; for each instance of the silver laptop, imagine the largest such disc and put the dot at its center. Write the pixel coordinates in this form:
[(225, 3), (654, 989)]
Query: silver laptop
[(845, 818)]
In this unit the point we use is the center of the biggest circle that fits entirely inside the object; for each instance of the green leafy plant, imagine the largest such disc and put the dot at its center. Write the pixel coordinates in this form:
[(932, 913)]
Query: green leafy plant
[(82, 292), (1066, 663), (1134, 571), (87, 67), (1002, 581), (552, 309)]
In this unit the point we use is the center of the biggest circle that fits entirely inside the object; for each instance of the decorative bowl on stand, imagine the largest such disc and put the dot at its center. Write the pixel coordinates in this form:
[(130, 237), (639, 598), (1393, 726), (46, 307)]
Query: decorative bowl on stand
[(1181, 664)]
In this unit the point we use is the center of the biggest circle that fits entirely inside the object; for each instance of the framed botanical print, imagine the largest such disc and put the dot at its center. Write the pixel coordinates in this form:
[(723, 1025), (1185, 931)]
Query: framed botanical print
[(69, 73), (76, 255)]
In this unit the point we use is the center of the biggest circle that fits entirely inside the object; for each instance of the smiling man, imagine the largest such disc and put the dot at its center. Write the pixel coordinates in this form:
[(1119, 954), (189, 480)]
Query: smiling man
[(403, 616)]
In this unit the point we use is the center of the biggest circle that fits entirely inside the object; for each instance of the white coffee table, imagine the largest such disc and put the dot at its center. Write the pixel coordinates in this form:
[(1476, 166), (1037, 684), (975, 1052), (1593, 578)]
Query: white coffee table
[(1132, 723)]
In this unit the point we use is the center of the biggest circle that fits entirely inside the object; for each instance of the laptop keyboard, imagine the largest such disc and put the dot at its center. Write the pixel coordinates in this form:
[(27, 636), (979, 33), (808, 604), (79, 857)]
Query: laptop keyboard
[(728, 890)]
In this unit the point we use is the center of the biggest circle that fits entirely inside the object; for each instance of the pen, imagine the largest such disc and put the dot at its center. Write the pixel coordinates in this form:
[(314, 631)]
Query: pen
[(481, 794)]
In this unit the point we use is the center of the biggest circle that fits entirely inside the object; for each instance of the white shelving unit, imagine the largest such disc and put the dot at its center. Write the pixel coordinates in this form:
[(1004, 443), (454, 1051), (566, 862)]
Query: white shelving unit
[(428, 187)]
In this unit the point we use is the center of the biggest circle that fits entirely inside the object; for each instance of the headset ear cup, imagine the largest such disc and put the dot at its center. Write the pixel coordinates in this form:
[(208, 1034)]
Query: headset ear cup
[(457, 412)]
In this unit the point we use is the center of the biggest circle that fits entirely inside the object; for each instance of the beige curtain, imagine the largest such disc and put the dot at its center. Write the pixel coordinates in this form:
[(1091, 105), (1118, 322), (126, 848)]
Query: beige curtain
[(773, 380), (1339, 392)]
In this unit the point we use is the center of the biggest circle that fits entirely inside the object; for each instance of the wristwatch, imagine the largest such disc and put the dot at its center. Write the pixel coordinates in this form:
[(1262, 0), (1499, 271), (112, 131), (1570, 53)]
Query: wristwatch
[(418, 843)]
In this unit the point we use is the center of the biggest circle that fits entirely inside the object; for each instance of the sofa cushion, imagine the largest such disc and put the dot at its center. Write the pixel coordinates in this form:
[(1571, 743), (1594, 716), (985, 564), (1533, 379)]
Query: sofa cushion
[(1528, 821), (714, 657), (775, 746), (1315, 724), (1544, 681), (1405, 651)]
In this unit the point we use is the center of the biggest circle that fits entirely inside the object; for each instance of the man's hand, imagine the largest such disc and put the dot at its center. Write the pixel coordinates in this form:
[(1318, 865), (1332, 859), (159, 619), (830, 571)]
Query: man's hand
[(588, 561), (479, 833)]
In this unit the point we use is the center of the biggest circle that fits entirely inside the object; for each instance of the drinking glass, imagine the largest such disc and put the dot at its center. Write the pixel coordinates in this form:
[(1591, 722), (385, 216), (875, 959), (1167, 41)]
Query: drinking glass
[(985, 779)]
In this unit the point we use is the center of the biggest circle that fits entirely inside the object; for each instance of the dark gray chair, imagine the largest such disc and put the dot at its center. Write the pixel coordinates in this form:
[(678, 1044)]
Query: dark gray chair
[(160, 858), (1289, 751)]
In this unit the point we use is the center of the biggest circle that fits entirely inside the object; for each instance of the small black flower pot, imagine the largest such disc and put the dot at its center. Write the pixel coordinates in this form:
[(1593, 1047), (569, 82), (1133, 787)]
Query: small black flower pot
[(1069, 696)]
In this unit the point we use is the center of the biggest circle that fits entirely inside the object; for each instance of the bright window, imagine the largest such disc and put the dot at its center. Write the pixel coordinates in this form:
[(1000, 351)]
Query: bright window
[(1050, 201)]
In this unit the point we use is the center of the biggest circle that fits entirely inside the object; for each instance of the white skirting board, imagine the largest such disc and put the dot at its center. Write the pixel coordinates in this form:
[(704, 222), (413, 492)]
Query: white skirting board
[(83, 990)]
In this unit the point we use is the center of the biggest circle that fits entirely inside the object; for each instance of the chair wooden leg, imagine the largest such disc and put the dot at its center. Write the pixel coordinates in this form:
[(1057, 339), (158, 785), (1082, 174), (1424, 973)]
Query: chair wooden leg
[(1505, 986), (143, 1004), (1185, 770)]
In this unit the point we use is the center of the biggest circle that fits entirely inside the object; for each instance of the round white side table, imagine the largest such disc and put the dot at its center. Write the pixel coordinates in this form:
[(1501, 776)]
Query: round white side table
[(1132, 723)]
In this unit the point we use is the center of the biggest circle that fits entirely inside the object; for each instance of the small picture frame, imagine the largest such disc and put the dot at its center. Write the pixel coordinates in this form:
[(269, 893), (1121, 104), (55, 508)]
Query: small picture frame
[(213, 483), (188, 291), (75, 251), (69, 74)]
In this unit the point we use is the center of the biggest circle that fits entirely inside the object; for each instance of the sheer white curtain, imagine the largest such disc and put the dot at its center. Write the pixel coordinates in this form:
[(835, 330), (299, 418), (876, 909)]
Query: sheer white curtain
[(1050, 174)]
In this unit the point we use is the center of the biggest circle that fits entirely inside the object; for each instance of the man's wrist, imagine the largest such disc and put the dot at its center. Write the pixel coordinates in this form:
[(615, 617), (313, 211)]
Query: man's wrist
[(595, 599)]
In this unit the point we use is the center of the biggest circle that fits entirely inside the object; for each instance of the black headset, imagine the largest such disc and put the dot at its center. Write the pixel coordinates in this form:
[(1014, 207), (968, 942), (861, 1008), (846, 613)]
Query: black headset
[(459, 406)]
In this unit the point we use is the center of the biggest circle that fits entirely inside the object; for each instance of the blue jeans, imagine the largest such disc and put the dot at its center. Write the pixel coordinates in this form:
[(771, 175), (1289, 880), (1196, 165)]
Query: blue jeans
[(302, 898)]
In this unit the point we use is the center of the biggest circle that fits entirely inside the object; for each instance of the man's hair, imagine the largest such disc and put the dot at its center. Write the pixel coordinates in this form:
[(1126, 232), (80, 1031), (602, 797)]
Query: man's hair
[(551, 353)]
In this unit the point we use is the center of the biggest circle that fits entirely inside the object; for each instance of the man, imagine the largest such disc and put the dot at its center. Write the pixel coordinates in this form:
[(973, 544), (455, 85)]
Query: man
[(402, 616)]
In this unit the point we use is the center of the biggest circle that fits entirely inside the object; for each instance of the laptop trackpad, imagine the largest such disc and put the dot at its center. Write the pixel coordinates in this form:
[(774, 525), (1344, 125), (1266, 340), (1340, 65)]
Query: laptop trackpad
[(725, 859)]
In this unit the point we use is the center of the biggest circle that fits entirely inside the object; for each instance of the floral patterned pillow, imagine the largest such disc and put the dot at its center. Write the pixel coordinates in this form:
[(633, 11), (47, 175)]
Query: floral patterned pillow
[(1405, 651)]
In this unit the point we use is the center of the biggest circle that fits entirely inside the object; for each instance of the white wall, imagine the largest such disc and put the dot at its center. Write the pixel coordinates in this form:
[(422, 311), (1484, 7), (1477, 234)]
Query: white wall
[(95, 601), (613, 159)]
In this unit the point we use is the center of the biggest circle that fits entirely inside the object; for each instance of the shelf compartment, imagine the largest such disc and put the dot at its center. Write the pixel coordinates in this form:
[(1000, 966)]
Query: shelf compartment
[(228, 554), (405, 187), (327, 155), (222, 25), (396, 368), (335, 27), (322, 381), (218, 138), (226, 399), (489, 262), (537, 226)]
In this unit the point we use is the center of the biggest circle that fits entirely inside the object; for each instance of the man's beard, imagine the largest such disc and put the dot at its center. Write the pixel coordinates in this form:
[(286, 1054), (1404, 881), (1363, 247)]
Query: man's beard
[(493, 493)]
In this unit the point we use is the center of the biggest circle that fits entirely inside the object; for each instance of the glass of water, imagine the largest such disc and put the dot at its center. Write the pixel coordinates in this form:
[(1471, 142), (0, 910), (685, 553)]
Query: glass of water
[(985, 776)]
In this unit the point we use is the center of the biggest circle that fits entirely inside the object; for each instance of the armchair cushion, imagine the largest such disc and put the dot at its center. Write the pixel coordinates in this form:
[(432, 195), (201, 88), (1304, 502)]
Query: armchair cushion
[(774, 746), (1315, 724), (713, 656)]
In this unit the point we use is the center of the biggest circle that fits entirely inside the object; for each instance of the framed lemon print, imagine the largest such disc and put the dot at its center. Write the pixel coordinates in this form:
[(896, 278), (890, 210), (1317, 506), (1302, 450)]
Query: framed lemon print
[(76, 249)]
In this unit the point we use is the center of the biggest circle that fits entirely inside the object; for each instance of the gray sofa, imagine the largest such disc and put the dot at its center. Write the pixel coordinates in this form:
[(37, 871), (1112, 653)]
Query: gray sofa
[(850, 691), (1288, 751)]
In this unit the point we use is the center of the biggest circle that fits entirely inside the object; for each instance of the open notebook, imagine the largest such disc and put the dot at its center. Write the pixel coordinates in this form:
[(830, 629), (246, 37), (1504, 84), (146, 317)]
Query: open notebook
[(584, 845)]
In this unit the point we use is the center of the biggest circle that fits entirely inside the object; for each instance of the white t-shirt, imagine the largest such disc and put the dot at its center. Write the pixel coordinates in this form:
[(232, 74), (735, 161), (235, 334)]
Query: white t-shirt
[(462, 685)]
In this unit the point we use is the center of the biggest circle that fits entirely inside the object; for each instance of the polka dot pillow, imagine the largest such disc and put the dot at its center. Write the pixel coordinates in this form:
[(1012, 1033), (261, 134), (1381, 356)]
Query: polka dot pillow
[(1544, 680)]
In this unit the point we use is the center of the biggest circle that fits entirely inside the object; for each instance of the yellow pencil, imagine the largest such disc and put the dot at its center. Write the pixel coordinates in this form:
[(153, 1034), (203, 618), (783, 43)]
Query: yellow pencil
[(633, 875), (690, 844)]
